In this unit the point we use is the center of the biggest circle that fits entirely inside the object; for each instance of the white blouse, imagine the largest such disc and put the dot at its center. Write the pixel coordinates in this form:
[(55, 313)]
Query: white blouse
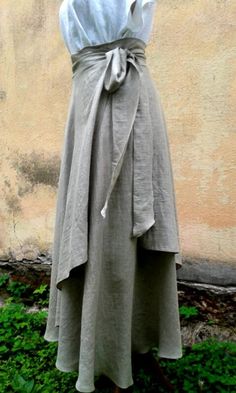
[(93, 22)]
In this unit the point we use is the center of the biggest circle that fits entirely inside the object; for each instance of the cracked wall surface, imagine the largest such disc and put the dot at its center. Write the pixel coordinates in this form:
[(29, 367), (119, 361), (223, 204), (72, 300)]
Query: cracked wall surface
[(192, 58)]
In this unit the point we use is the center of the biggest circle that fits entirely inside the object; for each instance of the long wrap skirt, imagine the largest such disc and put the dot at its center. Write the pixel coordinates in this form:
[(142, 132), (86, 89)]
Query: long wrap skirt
[(116, 249)]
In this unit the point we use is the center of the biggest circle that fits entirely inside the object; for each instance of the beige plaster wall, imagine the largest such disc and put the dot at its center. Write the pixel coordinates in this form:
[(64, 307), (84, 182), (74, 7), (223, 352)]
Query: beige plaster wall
[(192, 58)]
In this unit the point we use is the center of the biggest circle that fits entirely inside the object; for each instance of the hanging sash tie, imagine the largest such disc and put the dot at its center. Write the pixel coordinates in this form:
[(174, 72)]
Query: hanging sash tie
[(121, 77)]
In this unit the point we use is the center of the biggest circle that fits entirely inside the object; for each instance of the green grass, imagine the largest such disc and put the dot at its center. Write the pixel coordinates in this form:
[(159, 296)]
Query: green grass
[(27, 360)]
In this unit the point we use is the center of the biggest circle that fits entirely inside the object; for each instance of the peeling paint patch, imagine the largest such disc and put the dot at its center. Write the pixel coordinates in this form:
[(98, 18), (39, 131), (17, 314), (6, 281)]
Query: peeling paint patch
[(3, 235), (12, 200), (30, 18), (38, 13), (7, 183), (29, 249), (25, 189), (36, 169), (3, 95), (13, 203)]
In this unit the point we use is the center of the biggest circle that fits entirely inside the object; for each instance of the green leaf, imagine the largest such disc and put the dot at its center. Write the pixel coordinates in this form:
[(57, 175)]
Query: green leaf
[(3, 349), (41, 289)]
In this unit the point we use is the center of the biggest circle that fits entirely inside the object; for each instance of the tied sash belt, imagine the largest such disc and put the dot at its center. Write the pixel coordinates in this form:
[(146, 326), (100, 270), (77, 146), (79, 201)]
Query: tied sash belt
[(122, 64)]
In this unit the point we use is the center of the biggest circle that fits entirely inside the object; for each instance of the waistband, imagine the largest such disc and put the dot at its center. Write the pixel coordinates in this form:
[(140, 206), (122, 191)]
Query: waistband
[(132, 46), (125, 43)]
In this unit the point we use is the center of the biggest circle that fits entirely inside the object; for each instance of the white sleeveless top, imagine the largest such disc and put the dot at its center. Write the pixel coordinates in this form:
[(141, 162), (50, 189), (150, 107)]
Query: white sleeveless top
[(93, 22)]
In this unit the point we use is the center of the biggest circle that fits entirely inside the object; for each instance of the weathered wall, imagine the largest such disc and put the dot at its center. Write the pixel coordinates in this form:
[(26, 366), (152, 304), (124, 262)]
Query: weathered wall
[(192, 59)]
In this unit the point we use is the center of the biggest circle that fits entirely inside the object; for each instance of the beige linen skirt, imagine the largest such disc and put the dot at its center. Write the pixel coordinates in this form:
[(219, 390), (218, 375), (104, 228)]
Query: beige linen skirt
[(113, 287)]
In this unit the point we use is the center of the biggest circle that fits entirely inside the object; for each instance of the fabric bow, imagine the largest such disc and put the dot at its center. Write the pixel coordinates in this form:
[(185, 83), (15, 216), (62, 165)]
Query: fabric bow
[(117, 59)]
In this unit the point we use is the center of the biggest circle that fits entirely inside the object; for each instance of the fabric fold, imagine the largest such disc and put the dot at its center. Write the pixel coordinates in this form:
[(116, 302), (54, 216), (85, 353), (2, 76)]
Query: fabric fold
[(121, 78)]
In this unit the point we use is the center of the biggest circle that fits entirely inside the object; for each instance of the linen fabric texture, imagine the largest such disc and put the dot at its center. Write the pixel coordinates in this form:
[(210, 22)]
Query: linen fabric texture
[(113, 288), (93, 22)]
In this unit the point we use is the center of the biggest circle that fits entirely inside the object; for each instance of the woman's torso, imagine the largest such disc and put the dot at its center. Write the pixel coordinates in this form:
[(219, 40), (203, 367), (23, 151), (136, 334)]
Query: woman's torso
[(93, 22)]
